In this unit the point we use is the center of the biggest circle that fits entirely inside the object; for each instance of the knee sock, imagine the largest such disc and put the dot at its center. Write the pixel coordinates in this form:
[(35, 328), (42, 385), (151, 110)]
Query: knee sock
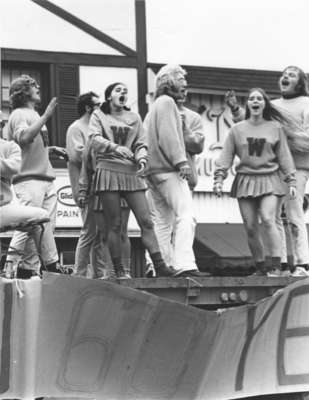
[(260, 266), (276, 263), (157, 259)]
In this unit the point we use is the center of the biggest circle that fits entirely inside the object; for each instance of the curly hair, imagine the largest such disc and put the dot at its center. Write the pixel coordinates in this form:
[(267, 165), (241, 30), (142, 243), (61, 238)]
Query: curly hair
[(83, 101), (20, 90), (166, 79)]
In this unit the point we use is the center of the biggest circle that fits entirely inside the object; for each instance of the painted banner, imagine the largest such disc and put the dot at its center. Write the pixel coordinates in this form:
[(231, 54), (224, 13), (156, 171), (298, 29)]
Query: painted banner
[(69, 337)]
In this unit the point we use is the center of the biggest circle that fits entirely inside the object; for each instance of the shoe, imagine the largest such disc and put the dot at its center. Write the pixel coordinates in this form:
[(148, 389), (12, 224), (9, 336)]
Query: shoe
[(150, 271), (165, 271), (300, 271), (121, 273), (193, 273), (275, 273)]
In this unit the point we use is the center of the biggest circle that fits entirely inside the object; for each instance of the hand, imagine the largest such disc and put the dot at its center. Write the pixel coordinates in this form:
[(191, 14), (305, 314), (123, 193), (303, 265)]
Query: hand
[(231, 99), (124, 152), (292, 192), (218, 186), (185, 171), (50, 109), (60, 152), (141, 166), (82, 200)]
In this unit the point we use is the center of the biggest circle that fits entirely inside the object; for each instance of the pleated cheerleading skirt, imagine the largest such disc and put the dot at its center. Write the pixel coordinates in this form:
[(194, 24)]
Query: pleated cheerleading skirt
[(258, 185), (106, 180)]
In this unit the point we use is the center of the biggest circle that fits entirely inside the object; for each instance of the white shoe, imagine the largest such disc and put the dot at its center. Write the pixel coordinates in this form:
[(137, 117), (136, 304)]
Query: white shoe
[(299, 271), (275, 273)]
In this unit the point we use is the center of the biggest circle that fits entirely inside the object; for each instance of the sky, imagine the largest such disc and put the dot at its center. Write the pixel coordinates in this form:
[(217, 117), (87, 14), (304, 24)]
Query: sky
[(263, 34)]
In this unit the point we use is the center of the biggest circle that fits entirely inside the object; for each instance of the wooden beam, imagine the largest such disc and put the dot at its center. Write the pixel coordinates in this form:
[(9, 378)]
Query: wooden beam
[(141, 48), (52, 57), (82, 25)]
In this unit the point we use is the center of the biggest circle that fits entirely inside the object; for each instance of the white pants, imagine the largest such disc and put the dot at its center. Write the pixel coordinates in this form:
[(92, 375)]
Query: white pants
[(174, 219), (91, 244), (296, 221), (38, 194), (14, 213)]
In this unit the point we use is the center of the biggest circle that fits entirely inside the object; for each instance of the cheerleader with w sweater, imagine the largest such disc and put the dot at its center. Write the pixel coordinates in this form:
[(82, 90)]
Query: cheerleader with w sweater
[(121, 156), (262, 148)]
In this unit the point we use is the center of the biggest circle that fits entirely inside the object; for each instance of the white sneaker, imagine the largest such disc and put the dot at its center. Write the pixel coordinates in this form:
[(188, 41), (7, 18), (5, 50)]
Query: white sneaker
[(275, 273), (299, 271), (286, 273)]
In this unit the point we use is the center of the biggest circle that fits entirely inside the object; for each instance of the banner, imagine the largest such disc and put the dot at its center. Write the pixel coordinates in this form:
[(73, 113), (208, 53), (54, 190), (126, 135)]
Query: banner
[(72, 337)]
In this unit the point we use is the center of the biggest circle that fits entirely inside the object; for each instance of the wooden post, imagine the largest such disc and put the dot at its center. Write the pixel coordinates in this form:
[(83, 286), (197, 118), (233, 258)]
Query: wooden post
[(141, 49)]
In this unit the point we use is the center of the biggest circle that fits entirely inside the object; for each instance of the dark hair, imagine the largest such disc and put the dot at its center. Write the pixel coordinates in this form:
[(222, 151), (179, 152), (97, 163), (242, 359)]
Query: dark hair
[(106, 107), (302, 86), (83, 101), (20, 90), (270, 112)]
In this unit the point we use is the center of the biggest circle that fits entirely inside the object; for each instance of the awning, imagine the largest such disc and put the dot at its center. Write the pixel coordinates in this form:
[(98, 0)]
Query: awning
[(226, 240)]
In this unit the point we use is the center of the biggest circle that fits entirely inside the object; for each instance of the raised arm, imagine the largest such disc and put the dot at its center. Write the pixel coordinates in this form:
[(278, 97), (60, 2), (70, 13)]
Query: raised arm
[(23, 133)]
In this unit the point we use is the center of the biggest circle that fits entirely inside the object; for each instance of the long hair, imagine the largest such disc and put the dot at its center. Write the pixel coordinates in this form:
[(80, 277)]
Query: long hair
[(298, 139), (106, 106), (301, 89), (20, 91), (270, 112), (166, 80)]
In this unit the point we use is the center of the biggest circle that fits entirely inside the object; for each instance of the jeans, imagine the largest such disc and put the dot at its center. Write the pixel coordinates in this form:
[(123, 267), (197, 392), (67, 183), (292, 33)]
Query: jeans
[(296, 221), (38, 194), (174, 219), (91, 244)]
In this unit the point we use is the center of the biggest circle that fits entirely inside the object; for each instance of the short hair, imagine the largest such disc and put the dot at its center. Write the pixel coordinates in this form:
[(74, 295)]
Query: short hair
[(302, 85), (166, 78), (20, 90), (84, 100)]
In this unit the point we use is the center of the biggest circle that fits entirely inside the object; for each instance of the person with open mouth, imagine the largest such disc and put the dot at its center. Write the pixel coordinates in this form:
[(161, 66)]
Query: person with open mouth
[(294, 105), (119, 142), (262, 148)]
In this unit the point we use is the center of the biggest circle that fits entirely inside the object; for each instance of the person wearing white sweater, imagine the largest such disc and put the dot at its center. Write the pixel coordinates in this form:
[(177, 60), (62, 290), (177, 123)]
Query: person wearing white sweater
[(294, 105), (11, 212), (168, 171)]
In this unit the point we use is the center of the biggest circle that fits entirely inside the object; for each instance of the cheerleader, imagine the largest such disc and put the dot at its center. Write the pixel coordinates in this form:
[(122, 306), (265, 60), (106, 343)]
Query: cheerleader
[(121, 157), (262, 148), (294, 106)]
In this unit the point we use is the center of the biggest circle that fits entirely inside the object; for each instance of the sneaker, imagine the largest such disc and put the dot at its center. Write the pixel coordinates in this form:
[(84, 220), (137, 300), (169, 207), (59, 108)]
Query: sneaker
[(164, 270), (150, 271), (275, 273), (300, 271), (121, 273), (195, 273)]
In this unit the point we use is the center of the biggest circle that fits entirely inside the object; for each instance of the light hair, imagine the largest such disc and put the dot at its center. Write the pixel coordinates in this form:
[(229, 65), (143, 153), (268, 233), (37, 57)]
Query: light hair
[(166, 78)]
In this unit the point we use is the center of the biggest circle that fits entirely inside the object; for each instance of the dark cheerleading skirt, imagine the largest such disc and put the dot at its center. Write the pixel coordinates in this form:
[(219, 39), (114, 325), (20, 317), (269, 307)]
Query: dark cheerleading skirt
[(106, 180), (245, 185)]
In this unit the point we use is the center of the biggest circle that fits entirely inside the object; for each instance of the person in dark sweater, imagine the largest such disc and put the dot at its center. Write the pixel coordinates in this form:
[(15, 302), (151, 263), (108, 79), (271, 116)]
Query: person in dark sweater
[(262, 148), (119, 141)]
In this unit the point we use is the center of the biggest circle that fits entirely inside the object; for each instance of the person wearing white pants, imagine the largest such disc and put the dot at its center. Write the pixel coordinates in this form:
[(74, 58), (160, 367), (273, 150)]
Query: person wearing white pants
[(168, 173), (33, 184), (12, 213)]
